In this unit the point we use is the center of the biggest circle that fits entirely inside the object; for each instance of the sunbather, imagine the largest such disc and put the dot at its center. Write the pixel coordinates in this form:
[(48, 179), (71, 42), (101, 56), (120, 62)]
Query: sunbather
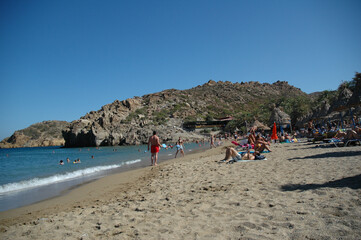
[(232, 154), (261, 145), (251, 138), (349, 134)]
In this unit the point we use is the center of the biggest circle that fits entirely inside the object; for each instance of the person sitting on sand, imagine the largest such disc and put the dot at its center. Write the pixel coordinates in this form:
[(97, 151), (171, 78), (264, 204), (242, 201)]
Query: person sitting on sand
[(261, 145), (252, 136)]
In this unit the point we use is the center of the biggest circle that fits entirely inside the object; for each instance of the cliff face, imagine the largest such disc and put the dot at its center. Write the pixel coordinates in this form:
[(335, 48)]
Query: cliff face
[(132, 121), (47, 133)]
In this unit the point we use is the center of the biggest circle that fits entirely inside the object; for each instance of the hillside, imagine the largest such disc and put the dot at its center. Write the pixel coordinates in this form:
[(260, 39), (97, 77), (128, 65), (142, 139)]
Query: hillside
[(132, 121), (47, 133)]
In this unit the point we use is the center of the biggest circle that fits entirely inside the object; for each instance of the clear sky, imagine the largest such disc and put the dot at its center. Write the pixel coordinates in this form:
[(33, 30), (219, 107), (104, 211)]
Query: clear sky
[(62, 59)]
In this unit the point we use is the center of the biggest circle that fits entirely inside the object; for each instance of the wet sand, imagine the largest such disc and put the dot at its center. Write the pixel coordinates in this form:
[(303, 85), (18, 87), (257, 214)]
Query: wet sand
[(300, 192)]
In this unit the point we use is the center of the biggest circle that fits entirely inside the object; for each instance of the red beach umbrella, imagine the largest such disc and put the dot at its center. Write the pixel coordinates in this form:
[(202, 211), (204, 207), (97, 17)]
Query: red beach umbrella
[(274, 132)]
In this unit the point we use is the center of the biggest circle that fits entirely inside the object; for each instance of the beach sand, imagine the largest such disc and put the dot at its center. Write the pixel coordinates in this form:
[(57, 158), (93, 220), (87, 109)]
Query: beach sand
[(300, 192)]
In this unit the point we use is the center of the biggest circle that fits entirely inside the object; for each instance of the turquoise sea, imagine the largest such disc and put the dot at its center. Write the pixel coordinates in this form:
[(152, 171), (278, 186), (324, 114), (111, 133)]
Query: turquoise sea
[(29, 175)]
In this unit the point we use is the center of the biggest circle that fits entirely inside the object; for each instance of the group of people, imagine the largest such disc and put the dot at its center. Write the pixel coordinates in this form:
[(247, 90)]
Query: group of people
[(154, 146), (333, 130), (256, 141), (259, 142), (350, 134), (68, 160)]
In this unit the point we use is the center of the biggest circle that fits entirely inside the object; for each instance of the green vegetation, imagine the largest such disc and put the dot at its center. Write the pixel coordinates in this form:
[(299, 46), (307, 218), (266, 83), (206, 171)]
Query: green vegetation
[(134, 115), (296, 106), (205, 131), (32, 132), (190, 119), (350, 84), (160, 117), (179, 107), (234, 125)]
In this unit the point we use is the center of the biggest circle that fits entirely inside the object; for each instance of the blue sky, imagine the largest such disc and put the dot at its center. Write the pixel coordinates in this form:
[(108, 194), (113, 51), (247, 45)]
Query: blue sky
[(62, 59)]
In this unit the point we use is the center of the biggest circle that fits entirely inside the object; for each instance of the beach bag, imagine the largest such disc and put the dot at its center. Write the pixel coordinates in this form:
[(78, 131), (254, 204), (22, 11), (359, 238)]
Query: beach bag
[(260, 157)]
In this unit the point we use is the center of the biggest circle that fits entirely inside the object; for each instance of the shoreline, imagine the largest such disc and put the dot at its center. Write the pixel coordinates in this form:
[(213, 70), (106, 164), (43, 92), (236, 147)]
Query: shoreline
[(31, 195), (73, 196), (300, 192)]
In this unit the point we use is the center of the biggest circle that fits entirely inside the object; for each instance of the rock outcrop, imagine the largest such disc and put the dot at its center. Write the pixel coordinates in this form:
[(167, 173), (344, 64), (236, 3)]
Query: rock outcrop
[(47, 133)]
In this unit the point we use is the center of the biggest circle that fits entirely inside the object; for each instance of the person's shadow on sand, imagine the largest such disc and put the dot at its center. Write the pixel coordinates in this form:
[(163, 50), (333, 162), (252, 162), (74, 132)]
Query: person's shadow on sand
[(350, 182), (330, 155)]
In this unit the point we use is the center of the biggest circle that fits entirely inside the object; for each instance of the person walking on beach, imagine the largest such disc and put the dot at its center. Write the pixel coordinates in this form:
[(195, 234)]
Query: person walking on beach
[(154, 149), (180, 147)]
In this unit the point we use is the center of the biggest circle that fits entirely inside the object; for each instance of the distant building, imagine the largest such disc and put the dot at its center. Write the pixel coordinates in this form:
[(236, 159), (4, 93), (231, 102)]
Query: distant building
[(218, 123)]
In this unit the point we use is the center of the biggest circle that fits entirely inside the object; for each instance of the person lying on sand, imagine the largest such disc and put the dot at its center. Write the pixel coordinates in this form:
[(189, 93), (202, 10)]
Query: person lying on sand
[(233, 155)]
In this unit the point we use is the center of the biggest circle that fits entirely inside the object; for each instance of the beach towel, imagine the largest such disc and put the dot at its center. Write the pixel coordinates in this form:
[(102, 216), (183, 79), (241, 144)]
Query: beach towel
[(233, 161), (265, 151), (252, 160)]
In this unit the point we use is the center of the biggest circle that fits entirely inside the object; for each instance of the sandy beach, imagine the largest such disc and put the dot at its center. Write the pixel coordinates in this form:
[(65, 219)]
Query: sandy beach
[(300, 192)]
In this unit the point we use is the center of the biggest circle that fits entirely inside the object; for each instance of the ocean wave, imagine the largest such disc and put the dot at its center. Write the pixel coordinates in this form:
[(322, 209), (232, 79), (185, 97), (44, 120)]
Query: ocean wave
[(37, 182)]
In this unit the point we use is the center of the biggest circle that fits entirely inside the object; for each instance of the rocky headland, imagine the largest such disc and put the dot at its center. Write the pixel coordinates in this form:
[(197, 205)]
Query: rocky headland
[(44, 134)]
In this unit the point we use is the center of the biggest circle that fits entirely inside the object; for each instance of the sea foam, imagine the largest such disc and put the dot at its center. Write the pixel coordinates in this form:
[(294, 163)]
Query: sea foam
[(37, 182)]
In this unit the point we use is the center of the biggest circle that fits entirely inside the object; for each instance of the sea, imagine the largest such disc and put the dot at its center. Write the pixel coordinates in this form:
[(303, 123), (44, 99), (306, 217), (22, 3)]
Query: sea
[(30, 175)]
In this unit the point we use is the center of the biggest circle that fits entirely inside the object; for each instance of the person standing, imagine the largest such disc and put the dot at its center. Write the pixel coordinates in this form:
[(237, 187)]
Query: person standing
[(154, 148), (180, 147), (212, 141)]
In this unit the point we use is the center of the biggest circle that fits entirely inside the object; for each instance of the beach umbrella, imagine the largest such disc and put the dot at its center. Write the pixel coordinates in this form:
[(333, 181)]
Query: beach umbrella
[(274, 132), (260, 125), (280, 117)]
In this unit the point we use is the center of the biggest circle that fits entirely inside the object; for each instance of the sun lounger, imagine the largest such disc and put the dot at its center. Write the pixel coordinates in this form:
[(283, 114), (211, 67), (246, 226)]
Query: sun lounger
[(334, 142), (341, 142), (352, 140)]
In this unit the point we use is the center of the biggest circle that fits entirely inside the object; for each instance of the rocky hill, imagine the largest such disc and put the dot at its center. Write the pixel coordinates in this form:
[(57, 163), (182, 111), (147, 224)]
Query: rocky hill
[(132, 121), (47, 133)]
